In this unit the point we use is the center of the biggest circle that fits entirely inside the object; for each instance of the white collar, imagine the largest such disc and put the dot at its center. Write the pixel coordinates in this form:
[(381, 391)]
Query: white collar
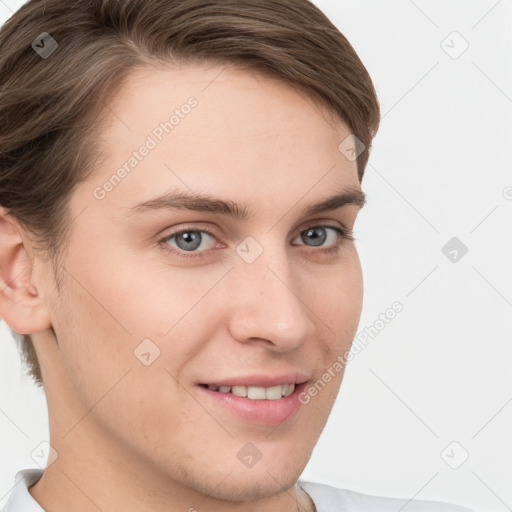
[(21, 499)]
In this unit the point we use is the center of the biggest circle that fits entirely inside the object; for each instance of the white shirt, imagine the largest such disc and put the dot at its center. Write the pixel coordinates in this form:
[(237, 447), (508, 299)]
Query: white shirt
[(325, 498)]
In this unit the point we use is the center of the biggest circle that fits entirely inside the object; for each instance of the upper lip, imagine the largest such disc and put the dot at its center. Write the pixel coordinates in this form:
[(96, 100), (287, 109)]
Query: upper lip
[(264, 381)]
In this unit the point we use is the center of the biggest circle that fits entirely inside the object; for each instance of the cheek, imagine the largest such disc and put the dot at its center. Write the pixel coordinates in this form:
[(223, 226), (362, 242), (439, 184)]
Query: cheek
[(99, 334), (94, 341), (337, 298)]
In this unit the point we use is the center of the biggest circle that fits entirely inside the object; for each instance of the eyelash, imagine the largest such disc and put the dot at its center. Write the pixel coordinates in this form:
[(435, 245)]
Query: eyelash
[(342, 235)]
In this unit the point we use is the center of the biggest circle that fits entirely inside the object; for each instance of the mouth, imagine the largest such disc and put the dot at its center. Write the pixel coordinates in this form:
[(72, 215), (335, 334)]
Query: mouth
[(263, 405), (255, 392)]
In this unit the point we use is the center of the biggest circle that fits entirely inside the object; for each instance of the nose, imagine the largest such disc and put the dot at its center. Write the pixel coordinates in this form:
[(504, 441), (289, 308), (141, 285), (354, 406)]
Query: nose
[(269, 306)]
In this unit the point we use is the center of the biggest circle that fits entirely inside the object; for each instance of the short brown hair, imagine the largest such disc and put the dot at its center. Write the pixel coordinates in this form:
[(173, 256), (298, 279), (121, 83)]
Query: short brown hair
[(50, 108)]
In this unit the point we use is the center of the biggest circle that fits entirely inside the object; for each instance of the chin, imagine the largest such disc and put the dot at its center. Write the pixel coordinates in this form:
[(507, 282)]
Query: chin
[(249, 487), (229, 479)]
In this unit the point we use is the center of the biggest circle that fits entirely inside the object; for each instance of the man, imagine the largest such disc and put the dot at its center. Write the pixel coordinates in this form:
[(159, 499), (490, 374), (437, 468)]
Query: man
[(177, 204)]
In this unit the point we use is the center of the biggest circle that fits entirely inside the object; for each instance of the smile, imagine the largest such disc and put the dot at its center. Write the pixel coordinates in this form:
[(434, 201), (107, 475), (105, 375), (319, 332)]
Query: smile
[(256, 392), (254, 404)]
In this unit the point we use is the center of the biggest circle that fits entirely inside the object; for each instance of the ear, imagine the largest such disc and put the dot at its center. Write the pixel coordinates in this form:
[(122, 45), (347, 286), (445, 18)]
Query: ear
[(21, 304)]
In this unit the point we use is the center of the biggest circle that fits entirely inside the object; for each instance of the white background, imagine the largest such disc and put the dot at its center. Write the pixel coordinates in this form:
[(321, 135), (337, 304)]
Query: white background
[(439, 168)]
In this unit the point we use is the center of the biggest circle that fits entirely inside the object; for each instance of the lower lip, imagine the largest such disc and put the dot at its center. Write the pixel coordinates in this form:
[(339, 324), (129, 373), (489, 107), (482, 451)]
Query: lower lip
[(262, 412)]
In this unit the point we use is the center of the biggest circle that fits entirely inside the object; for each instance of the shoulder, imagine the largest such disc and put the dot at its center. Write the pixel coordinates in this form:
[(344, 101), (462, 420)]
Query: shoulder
[(330, 499)]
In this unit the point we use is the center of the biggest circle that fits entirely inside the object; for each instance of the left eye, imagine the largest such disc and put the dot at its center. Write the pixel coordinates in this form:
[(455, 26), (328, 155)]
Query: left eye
[(191, 240)]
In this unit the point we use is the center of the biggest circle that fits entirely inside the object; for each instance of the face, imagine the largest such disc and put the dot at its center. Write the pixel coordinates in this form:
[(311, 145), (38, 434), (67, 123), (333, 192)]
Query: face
[(158, 301)]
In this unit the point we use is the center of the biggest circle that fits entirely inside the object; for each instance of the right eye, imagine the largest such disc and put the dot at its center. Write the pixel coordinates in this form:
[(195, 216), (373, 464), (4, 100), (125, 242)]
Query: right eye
[(187, 240)]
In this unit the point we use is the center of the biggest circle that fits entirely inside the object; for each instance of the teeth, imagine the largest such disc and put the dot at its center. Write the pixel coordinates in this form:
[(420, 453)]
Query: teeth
[(272, 393), (291, 389), (256, 392), (239, 390)]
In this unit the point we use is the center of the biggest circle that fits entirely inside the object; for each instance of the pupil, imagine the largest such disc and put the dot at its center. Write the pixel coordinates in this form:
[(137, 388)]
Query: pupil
[(318, 236), (191, 239)]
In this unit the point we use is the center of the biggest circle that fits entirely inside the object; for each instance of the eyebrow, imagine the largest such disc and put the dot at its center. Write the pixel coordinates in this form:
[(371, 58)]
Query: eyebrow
[(181, 200)]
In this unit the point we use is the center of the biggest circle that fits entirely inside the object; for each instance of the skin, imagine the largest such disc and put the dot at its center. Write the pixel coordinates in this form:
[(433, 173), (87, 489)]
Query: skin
[(146, 429)]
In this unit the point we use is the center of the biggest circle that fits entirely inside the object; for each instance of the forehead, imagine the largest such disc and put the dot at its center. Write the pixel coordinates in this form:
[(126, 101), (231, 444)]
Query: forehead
[(229, 99), (243, 134)]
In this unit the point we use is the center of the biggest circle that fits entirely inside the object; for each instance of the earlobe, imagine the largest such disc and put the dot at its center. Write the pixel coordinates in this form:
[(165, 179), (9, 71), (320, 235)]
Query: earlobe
[(21, 304)]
